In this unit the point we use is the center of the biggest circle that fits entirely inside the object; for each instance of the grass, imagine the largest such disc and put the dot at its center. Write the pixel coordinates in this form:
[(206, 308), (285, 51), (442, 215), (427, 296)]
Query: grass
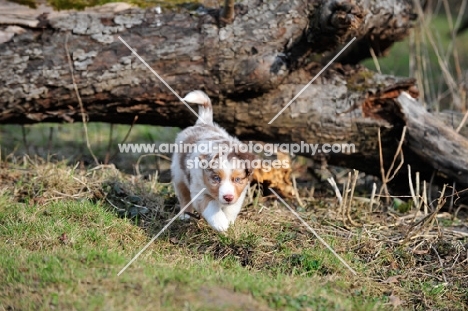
[(67, 254), (63, 241), (427, 68), (59, 142)]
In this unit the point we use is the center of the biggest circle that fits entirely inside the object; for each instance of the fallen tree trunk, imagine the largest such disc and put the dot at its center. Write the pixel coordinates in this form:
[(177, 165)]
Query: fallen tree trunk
[(251, 69), (258, 52), (429, 138)]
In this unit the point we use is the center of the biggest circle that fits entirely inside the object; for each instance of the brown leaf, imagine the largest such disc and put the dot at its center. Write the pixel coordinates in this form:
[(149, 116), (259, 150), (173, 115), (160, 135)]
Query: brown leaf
[(63, 238), (392, 279), (395, 301), (420, 251)]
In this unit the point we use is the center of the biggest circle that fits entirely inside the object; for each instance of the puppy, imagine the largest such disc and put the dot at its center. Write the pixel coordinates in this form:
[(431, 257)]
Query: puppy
[(210, 158)]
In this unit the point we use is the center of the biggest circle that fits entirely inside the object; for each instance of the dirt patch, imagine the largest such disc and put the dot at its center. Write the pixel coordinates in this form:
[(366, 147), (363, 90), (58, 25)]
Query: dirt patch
[(218, 298)]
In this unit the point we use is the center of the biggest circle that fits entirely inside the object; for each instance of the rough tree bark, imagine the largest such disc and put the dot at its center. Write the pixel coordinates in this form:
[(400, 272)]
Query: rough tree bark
[(251, 68)]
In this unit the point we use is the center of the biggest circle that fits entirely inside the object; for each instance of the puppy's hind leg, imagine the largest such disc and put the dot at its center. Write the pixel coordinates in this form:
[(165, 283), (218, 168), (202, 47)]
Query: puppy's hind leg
[(183, 193)]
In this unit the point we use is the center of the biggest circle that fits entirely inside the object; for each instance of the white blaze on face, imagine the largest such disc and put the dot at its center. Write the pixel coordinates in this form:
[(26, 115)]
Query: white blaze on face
[(227, 190)]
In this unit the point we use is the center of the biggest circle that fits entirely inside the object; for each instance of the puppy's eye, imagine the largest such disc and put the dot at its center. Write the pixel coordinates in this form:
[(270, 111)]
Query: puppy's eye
[(237, 180), (216, 178)]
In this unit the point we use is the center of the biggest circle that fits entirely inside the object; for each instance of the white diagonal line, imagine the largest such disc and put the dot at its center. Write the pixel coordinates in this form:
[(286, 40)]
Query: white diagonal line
[(314, 233), (159, 233), (311, 81), (159, 77)]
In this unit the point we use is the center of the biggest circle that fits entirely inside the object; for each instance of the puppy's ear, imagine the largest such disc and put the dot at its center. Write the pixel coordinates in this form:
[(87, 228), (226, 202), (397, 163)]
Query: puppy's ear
[(248, 159), (204, 157), (211, 158)]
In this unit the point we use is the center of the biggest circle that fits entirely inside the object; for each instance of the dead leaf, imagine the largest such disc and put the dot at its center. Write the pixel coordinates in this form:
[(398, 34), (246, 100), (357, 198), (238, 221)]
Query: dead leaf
[(420, 251), (63, 238), (395, 301), (392, 279)]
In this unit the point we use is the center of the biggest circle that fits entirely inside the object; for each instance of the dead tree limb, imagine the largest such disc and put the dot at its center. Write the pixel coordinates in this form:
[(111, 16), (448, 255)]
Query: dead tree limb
[(251, 68)]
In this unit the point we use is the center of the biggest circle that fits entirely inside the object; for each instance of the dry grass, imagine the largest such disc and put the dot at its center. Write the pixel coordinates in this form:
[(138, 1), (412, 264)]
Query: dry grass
[(412, 260)]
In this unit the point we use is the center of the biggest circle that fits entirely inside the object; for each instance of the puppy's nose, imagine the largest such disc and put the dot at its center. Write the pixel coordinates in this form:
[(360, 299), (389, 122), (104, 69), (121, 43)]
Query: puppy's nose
[(228, 197)]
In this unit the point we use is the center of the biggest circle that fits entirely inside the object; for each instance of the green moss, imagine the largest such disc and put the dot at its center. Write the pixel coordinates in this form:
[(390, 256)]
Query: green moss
[(361, 81), (30, 3), (82, 4)]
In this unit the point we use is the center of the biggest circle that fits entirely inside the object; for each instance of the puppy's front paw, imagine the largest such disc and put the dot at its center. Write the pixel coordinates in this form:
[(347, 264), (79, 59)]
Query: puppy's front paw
[(217, 221), (220, 226)]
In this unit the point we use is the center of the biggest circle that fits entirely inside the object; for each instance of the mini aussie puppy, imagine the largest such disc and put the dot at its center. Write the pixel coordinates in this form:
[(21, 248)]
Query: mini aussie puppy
[(210, 158)]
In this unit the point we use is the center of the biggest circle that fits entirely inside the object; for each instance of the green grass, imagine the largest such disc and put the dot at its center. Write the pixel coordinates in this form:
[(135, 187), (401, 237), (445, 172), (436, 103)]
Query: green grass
[(62, 245), (67, 255), (397, 61), (17, 137), (57, 142)]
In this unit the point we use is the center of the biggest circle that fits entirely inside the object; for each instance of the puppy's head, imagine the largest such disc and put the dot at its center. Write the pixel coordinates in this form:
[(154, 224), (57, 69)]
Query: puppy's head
[(226, 177)]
